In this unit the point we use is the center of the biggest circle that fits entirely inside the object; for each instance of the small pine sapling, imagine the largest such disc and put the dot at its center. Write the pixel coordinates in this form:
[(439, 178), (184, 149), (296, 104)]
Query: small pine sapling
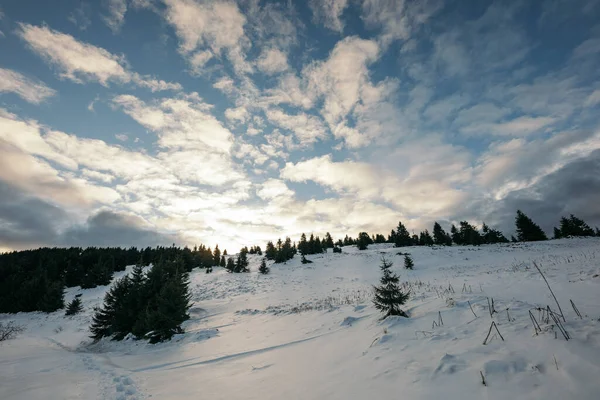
[(408, 262), (388, 296), (263, 269), (74, 307)]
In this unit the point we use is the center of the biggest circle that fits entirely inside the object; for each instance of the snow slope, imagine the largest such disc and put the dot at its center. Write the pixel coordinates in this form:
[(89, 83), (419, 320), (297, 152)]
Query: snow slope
[(310, 332)]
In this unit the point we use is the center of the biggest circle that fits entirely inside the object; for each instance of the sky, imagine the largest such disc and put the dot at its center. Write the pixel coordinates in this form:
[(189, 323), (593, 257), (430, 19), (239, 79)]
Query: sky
[(145, 122)]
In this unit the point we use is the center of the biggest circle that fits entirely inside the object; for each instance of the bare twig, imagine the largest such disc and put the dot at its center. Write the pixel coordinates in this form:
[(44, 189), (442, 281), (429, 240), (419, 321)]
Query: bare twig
[(536, 326), (471, 309), (555, 363), (441, 321), (576, 310), (560, 327), (493, 325), (551, 292), (482, 378)]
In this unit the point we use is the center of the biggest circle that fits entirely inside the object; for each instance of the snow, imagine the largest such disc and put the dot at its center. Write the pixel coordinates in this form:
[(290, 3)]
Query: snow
[(311, 332)]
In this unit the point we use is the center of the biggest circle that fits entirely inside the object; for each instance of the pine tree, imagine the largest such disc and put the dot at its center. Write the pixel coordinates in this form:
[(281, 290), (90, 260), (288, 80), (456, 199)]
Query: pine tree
[(440, 237), (223, 261), (388, 296), (263, 269), (425, 238), (573, 227), (455, 235), (402, 237), (557, 233), (230, 266), (527, 230), (363, 241), (408, 262), (328, 241), (241, 264), (53, 298), (270, 251), (107, 321), (170, 309), (74, 307), (216, 257), (337, 249)]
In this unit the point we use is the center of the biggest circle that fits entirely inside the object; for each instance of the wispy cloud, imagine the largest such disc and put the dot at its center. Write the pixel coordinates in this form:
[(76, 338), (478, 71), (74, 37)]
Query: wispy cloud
[(116, 14), (28, 89), (81, 62)]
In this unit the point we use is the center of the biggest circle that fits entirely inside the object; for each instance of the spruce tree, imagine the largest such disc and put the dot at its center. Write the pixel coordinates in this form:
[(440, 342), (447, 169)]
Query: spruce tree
[(108, 320), (328, 241), (223, 261), (455, 235), (573, 227), (388, 297), (74, 307), (270, 251), (402, 236), (440, 237), (230, 266), (363, 241), (216, 257), (408, 262), (263, 269), (170, 309), (527, 230)]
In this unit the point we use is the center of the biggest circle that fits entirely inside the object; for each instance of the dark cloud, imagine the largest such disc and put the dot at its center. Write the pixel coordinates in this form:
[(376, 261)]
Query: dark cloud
[(108, 228), (26, 221), (574, 188), (29, 222)]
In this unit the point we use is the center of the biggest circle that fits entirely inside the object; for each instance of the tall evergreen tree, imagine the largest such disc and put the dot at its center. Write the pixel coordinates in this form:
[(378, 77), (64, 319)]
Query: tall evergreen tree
[(388, 297), (230, 264), (402, 237), (328, 241), (425, 238), (363, 241), (440, 237), (109, 320), (170, 309), (456, 237), (223, 262), (573, 227), (216, 256), (270, 251), (527, 230)]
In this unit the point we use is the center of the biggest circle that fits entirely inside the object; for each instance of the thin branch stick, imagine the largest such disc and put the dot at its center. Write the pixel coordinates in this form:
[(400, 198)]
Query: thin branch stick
[(561, 327), (493, 325), (576, 310), (549, 288), (536, 326), (482, 379), (555, 363), (471, 309), (441, 321)]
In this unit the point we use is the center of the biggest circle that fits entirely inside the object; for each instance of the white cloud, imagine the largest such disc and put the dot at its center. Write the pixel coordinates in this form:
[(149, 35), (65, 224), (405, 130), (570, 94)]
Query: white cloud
[(122, 137), (82, 62), (217, 26), (116, 14), (238, 114), (184, 122), (593, 99), (307, 128), (274, 188), (521, 126), (397, 19), (272, 61), (81, 16), (29, 90), (329, 12)]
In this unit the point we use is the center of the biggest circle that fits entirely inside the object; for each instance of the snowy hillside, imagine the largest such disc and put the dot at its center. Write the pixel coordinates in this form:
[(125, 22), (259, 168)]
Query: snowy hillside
[(311, 332)]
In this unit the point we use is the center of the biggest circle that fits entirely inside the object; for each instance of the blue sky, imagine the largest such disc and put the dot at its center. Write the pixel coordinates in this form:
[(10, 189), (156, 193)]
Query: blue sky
[(137, 122)]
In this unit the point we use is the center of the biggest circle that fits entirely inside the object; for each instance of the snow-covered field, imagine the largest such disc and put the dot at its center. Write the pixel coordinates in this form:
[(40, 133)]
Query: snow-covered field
[(311, 332)]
